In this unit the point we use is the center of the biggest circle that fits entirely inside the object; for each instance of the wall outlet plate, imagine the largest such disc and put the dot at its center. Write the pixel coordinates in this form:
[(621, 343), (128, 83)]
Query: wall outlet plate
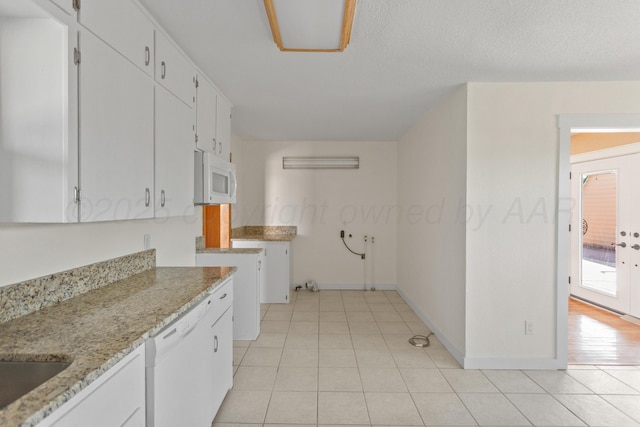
[(529, 327)]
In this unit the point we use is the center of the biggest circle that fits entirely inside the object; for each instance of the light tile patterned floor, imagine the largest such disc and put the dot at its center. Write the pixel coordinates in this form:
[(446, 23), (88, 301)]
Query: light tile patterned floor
[(343, 358)]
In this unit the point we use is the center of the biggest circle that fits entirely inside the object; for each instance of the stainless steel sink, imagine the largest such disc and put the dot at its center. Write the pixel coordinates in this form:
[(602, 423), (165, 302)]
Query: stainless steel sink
[(19, 378)]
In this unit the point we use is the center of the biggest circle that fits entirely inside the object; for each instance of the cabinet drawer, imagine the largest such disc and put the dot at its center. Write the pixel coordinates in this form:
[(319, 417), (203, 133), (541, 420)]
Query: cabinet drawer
[(115, 399), (222, 299)]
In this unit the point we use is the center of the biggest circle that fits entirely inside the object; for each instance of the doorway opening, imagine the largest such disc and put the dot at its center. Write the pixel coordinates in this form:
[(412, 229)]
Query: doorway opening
[(216, 226), (602, 264)]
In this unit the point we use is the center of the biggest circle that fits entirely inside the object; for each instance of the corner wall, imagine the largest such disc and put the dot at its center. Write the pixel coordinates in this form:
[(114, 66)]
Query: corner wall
[(432, 167), (323, 202), (512, 178)]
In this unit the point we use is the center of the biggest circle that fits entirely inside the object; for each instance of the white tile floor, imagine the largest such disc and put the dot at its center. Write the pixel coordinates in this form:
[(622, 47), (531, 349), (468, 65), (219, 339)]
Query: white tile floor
[(343, 358)]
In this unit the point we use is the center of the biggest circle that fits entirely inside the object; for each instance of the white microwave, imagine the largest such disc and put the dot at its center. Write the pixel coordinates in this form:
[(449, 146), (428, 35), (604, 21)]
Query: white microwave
[(215, 180)]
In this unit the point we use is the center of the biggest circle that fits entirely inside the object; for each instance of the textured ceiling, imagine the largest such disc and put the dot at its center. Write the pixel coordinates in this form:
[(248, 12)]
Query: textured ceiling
[(404, 57)]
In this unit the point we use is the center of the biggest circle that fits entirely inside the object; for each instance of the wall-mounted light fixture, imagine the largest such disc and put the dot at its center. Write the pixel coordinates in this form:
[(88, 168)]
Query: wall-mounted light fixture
[(311, 25), (320, 162)]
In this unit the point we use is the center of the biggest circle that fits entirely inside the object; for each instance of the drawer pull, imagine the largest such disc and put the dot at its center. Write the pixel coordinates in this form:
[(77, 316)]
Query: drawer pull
[(223, 296)]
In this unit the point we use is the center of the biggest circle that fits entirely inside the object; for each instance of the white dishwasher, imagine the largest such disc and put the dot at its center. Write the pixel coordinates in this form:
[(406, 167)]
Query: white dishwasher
[(183, 384)]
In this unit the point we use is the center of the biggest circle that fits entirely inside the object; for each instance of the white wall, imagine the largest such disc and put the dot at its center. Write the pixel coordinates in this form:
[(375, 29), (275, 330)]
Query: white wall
[(431, 233), (33, 250), (512, 158), (323, 202), (238, 158)]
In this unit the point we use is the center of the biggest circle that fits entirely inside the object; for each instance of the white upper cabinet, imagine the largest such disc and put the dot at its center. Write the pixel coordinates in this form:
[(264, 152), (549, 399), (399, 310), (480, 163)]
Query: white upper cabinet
[(174, 71), (38, 131), (213, 120), (85, 72), (116, 135), (66, 5), (173, 156), (123, 26), (223, 126), (206, 116)]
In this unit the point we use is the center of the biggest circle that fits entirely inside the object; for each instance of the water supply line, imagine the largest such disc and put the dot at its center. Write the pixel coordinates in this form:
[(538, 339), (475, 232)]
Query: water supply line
[(364, 265), (373, 265), (361, 255)]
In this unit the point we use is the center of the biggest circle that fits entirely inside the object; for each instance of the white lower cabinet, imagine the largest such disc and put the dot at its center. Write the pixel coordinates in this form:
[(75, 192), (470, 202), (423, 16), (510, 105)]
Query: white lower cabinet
[(246, 289), (189, 363), (222, 357), (117, 398), (275, 278)]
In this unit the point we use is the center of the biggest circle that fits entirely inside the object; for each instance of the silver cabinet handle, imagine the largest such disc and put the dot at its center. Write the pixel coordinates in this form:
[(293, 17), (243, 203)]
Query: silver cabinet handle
[(220, 147), (163, 70), (223, 296), (623, 244), (162, 198), (147, 197), (76, 195), (147, 56), (636, 247), (215, 344), (259, 264)]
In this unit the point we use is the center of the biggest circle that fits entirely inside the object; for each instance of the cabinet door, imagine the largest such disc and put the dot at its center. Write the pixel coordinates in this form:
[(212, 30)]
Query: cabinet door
[(173, 156), (38, 92), (223, 127), (66, 5), (206, 116), (116, 135), (123, 26), (222, 332), (174, 71), (277, 259), (274, 275), (117, 398)]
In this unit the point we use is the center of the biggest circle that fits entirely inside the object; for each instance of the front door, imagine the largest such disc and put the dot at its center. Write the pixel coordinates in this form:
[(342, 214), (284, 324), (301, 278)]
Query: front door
[(605, 237)]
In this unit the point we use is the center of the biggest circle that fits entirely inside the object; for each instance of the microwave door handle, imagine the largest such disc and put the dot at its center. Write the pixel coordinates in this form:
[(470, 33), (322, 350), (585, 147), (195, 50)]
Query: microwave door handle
[(234, 183)]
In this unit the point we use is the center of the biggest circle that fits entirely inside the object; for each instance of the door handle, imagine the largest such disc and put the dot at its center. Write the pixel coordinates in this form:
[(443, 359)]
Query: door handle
[(636, 247), (623, 244)]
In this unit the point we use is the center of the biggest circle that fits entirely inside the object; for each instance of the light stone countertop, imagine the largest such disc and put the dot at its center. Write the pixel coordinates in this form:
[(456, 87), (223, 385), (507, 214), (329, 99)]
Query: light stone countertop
[(96, 330), (265, 233)]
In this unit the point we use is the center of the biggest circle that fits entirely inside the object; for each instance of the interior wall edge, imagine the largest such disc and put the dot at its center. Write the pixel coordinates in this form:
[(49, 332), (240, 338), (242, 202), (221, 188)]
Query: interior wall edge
[(451, 348)]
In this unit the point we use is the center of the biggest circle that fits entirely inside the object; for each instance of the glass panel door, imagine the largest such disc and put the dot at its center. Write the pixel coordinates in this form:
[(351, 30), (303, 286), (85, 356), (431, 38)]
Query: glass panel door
[(599, 224), (599, 237)]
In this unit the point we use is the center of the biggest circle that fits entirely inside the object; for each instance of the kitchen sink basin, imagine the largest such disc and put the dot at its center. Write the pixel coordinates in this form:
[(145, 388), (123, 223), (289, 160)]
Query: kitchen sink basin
[(19, 378)]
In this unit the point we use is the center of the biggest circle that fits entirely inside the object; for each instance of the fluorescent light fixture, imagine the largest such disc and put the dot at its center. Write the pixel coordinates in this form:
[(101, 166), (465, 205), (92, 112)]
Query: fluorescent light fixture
[(311, 25), (320, 162)]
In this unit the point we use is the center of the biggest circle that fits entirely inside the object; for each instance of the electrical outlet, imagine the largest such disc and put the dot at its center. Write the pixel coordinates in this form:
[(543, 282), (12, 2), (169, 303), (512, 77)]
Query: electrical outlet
[(529, 327)]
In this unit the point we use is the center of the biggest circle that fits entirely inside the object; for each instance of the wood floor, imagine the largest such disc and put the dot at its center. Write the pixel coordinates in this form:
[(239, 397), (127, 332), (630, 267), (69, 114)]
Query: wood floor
[(598, 337)]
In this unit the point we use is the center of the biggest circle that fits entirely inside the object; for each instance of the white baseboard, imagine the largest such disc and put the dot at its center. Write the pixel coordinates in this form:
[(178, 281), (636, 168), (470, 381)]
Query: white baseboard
[(512, 363), (351, 287), (452, 349), (484, 362)]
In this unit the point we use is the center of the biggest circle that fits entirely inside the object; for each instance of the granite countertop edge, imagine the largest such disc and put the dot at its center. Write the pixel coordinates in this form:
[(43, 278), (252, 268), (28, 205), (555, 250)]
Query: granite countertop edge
[(21, 413), (267, 237), (229, 251)]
